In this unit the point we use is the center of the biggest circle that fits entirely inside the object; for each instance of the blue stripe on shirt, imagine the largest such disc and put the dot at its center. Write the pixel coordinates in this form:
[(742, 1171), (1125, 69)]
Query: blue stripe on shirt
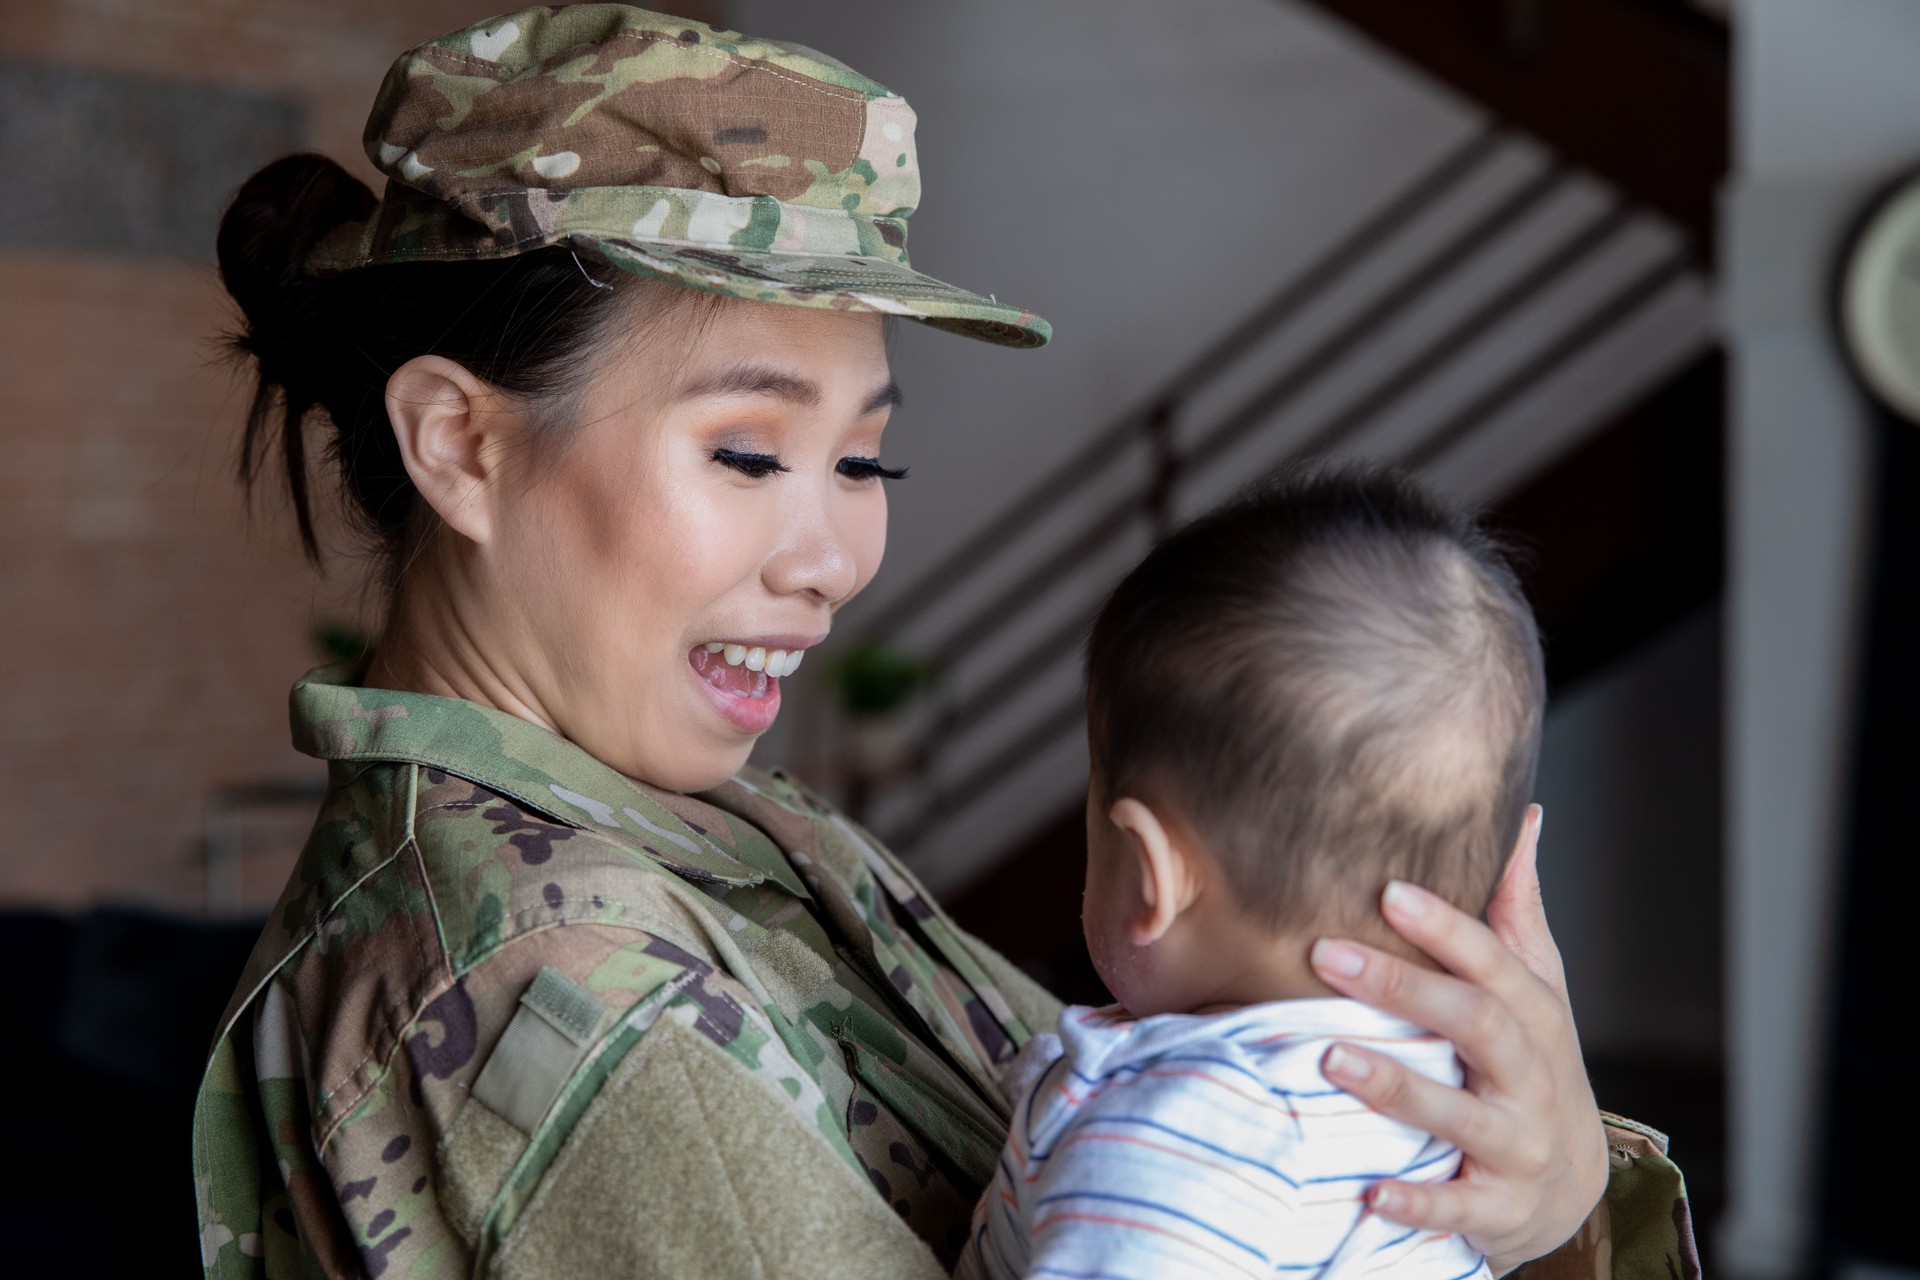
[(1157, 1207), (1125, 1160), (1445, 1153), (1184, 1136), (1252, 1075)]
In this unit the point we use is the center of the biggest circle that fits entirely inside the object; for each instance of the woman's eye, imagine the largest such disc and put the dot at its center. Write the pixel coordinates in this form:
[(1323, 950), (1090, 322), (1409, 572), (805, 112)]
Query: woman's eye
[(756, 465), (869, 469)]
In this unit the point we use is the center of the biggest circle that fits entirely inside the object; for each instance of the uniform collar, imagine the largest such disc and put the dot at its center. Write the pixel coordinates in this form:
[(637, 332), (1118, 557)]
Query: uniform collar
[(337, 720)]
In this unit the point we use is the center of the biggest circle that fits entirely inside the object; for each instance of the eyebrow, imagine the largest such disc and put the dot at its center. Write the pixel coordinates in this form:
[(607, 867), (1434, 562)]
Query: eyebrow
[(765, 380)]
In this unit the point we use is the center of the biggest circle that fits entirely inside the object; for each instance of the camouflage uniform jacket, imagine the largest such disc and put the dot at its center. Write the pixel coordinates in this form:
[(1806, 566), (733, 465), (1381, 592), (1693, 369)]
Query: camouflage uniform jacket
[(516, 1014)]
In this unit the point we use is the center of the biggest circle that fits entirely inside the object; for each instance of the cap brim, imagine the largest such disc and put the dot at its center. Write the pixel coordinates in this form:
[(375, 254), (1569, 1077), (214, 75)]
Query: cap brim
[(834, 283)]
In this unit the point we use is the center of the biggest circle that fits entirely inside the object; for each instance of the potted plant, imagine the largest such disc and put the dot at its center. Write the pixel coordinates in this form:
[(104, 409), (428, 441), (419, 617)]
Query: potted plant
[(873, 685)]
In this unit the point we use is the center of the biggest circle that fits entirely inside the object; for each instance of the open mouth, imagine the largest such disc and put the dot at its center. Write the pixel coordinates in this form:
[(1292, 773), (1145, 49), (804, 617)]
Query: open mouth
[(743, 681)]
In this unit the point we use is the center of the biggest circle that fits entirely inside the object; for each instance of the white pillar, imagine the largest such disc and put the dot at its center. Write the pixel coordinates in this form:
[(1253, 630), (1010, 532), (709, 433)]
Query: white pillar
[(1827, 105)]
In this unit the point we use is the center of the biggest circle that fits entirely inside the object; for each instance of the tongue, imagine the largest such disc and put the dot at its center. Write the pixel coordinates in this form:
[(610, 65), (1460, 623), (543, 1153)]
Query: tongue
[(738, 681)]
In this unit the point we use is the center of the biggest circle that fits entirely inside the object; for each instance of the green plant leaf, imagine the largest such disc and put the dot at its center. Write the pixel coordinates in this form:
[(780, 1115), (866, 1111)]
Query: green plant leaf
[(873, 681)]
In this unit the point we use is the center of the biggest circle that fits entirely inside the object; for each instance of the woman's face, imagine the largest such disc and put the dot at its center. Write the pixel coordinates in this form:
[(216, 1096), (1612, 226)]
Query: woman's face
[(719, 500)]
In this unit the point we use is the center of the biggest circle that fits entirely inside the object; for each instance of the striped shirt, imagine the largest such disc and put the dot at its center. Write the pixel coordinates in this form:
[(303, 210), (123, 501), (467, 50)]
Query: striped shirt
[(1187, 1146)]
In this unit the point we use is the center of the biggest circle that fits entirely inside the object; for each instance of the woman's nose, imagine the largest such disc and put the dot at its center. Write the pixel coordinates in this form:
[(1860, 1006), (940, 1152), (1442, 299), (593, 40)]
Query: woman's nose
[(818, 558)]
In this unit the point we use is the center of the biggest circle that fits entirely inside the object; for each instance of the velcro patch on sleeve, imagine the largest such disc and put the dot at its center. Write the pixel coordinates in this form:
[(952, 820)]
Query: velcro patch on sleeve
[(557, 1022)]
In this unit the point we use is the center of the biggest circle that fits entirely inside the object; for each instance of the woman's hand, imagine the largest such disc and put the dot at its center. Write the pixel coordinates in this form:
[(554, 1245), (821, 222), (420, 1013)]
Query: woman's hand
[(1534, 1158)]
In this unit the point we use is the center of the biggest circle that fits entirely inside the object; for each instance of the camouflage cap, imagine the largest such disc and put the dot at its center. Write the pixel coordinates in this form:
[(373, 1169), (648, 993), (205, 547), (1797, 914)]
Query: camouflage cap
[(667, 148)]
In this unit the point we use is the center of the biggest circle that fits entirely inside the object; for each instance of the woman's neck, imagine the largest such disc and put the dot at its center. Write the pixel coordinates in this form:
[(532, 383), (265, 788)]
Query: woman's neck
[(433, 645)]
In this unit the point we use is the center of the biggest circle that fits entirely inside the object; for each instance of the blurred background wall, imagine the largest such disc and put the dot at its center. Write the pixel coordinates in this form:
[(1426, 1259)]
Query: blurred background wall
[(1827, 113), (1527, 247), (150, 628)]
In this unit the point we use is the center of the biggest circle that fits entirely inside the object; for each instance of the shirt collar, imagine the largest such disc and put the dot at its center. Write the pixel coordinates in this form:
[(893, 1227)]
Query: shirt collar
[(335, 719)]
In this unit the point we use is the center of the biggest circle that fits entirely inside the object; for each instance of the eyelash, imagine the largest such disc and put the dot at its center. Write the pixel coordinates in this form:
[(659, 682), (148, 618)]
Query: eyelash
[(869, 469), (755, 465), (760, 465)]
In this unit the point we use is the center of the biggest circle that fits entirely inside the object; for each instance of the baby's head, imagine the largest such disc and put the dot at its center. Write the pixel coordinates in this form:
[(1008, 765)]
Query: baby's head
[(1330, 683)]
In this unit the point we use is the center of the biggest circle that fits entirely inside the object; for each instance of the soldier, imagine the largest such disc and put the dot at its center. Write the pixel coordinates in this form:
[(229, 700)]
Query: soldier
[(558, 987)]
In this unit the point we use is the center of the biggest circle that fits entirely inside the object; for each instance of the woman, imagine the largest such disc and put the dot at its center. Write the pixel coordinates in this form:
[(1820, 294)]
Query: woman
[(557, 988)]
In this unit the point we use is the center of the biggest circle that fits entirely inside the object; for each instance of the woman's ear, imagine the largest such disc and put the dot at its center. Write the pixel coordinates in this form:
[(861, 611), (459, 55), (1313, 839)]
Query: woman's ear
[(448, 423), (1169, 877)]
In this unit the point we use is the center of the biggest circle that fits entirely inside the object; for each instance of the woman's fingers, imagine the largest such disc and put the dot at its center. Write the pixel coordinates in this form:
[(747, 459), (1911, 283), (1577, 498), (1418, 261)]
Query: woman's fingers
[(1464, 946), (1431, 1206), (1533, 1159), (1484, 1027), (1517, 914), (1389, 1087), (1512, 1178)]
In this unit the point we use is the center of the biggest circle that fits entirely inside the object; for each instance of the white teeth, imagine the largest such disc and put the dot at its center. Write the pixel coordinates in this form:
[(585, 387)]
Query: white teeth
[(773, 662)]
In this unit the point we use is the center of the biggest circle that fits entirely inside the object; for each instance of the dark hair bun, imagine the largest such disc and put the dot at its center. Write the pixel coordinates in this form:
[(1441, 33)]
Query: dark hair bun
[(275, 220), (329, 343)]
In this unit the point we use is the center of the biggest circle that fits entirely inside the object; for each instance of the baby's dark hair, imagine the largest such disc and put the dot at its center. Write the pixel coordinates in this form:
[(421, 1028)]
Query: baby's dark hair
[(1332, 681)]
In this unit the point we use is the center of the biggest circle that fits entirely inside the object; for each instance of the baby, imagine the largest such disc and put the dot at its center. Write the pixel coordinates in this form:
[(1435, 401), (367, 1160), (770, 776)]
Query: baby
[(1329, 684)]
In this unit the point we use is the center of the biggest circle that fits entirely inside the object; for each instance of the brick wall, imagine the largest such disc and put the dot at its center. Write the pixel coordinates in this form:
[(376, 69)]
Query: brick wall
[(150, 628)]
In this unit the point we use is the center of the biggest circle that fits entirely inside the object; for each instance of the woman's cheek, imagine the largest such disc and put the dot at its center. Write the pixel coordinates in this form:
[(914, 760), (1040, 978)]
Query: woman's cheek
[(873, 547)]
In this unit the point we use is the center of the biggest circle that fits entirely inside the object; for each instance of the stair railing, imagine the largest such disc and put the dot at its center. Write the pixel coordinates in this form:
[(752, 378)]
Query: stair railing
[(1149, 503)]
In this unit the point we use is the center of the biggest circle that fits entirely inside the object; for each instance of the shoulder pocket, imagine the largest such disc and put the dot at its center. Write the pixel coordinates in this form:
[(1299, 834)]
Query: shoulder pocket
[(556, 1024), (684, 1165), (542, 1079)]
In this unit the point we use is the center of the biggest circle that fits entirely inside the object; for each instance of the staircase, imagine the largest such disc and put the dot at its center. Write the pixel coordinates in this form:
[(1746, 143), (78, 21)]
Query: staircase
[(1500, 310)]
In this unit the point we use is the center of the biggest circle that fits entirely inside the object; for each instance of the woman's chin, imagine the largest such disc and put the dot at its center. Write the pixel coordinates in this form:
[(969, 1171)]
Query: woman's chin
[(691, 771), (690, 750)]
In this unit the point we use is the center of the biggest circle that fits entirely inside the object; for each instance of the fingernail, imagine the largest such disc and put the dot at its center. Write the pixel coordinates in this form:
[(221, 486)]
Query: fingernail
[(1385, 1199), (1338, 959), (1405, 900), (1347, 1064), (1539, 819)]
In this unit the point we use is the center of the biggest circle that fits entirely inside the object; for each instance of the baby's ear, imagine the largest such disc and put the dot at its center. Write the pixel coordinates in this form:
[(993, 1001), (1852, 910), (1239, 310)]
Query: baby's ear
[(1169, 877), (1519, 881)]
